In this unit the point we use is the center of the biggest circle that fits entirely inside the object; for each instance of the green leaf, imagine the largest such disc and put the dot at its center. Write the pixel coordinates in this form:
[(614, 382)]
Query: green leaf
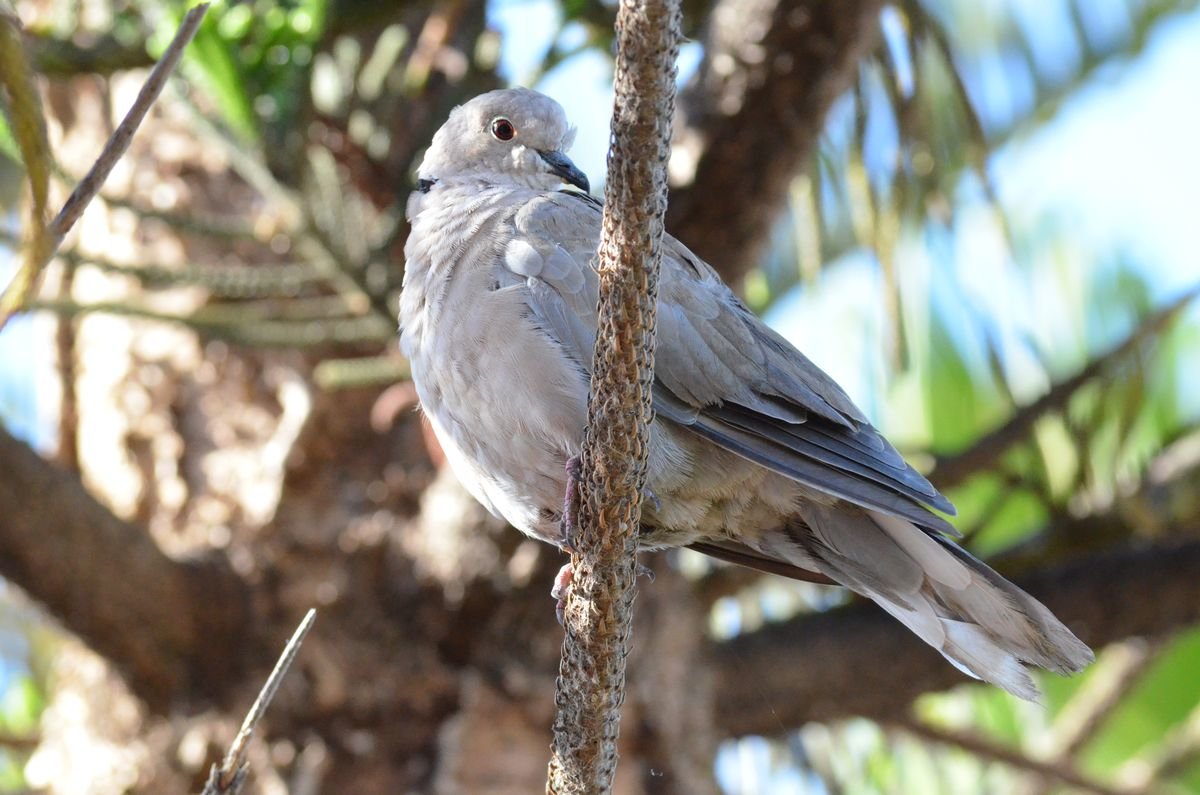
[(8, 145), (1018, 516), (1164, 697), (22, 705), (213, 62)]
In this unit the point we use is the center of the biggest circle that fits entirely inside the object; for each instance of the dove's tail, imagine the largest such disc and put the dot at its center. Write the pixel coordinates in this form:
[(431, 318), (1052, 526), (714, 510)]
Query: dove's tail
[(982, 623)]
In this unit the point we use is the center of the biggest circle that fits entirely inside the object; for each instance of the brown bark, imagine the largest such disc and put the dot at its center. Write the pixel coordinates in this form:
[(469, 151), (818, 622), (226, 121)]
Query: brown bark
[(616, 442), (859, 661), (172, 626), (755, 111)]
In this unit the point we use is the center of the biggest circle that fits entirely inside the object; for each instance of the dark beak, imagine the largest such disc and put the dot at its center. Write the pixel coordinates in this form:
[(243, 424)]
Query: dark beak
[(561, 166)]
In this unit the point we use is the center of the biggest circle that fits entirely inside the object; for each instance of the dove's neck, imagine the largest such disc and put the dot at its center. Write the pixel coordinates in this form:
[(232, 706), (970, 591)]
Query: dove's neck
[(465, 193)]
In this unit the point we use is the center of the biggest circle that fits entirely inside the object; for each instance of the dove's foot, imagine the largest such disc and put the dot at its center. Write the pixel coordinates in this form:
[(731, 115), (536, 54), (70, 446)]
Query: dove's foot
[(562, 582), (570, 513), (644, 571), (569, 523)]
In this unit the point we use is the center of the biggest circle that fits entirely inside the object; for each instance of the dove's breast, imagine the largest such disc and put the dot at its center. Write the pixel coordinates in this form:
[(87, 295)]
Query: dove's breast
[(507, 405)]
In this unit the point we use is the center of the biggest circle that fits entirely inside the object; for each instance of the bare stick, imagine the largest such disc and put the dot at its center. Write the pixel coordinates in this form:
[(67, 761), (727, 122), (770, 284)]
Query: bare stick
[(91, 183), (599, 608), (229, 777), (47, 243)]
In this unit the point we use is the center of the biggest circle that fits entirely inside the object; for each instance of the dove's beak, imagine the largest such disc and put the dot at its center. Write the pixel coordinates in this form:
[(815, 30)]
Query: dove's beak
[(561, 166)]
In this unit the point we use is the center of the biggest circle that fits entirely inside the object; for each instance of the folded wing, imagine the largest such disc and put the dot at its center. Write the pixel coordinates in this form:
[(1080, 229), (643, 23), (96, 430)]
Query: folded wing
[(720, 371)]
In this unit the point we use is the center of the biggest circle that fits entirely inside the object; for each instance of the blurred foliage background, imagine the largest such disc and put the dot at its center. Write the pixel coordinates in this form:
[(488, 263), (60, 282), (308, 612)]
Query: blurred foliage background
[(991, 243)]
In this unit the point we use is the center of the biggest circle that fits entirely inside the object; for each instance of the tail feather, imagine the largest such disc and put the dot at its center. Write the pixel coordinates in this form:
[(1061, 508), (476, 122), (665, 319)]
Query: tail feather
[(982, 623), (1053, 646), (971, 649)]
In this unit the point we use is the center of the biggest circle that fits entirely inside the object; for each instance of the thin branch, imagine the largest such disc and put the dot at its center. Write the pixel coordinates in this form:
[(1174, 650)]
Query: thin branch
[(1120, 670), (19, 742), (244, 328), (43, 246), (117, 145), (952, 470), (67, 454), (28, 128), (193, 222), (228, 778), (599, 609), (226, 281), (363, 371), (103, 55), (987, 750)]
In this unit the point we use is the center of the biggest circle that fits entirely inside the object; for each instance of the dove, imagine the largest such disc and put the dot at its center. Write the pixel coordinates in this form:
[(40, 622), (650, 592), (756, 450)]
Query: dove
[(756, 456)]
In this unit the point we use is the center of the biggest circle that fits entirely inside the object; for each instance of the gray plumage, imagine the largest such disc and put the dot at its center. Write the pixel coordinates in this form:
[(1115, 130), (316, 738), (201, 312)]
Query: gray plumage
[(756, 455)]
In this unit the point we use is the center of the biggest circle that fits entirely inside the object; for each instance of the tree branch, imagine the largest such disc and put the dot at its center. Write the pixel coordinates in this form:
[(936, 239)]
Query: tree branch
[(755, 111), (100, 54), (229, 777), (599, 610), (170, 625), (835, 662), (1062, 772), (45, 239)]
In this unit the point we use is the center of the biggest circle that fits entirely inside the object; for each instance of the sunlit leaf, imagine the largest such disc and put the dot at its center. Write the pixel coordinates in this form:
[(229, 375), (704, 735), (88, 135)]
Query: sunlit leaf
[(1165, 696), (21, 706), (217, 67)]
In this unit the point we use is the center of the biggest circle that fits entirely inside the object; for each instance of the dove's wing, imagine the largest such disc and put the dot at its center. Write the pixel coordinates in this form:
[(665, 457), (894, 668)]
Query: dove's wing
[(719, 370)]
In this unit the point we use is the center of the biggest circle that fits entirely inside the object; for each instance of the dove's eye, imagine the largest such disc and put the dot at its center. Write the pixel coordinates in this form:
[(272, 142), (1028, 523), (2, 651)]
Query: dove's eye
[(503, 129)]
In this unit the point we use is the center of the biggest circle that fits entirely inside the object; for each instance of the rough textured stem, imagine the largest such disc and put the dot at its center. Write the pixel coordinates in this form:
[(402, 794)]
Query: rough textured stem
[(591, 679)]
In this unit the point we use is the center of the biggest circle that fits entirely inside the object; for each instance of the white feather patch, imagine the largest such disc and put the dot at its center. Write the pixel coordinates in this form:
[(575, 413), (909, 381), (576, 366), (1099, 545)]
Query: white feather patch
[(522, 258)]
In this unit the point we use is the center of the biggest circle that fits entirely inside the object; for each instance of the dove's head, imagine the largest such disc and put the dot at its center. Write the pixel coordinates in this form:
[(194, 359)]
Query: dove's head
[(514, 135)]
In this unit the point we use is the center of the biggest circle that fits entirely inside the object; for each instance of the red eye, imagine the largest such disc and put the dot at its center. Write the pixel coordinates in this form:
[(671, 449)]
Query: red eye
[(503, 129)]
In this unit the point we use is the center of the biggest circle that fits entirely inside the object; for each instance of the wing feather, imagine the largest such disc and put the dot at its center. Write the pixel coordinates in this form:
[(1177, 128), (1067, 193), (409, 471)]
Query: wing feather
[(720, 371)]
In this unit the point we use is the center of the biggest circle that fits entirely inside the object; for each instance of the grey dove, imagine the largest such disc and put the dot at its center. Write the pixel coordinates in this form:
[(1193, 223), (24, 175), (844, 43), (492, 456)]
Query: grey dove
[(756, 455)]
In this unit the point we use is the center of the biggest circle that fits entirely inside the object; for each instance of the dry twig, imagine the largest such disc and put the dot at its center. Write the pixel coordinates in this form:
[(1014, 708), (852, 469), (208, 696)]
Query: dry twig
[(43, 246), (230, 775)]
